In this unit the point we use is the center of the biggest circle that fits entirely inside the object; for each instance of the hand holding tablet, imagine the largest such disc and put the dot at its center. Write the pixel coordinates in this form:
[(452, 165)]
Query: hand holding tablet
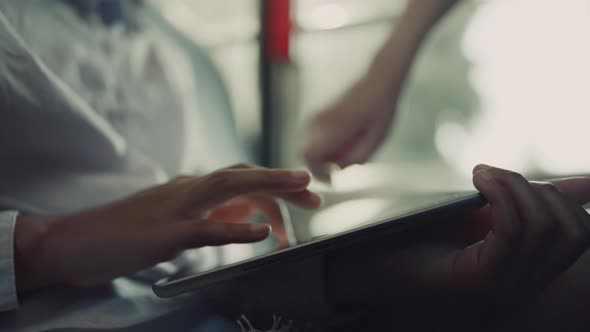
[(504, 254)]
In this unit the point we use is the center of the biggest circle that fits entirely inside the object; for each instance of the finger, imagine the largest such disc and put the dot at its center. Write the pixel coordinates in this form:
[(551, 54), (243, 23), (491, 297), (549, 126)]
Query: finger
[(361, 149), (538, 225), (320, 170), (240, 206), (490, 258), (271, 209), (323, 167), (574, 238), (323, 141), (576, 189), (481, 224), (356, 150), (236, 210), (245, 166), (303, 199), (201, 234), (226, 184)]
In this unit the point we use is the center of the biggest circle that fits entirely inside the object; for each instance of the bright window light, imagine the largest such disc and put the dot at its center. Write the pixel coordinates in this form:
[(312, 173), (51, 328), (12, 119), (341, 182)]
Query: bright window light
[(532, 73), (326, 16)]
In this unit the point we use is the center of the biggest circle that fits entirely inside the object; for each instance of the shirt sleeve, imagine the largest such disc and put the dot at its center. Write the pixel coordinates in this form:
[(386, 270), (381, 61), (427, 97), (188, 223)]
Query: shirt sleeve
[(8, 295)]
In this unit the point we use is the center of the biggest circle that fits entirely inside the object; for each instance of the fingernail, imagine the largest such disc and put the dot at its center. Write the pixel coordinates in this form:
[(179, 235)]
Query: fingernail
[(483, 175), (481, 167), (300, 176), (260, 229)]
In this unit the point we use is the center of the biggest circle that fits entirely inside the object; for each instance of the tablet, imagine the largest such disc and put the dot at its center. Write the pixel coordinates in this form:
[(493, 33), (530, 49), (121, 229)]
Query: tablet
[(406, 211)]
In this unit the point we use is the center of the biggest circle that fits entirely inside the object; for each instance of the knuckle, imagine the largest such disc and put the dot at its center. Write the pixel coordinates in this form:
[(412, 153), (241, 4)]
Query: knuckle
[(513, 177), (548, 188), (275, 177), (242, 165), (181, 178), (219, 179), (269, 178)]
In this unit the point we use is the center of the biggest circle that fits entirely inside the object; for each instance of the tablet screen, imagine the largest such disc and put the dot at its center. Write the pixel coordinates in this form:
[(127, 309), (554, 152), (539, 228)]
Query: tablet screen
[(344, 215)]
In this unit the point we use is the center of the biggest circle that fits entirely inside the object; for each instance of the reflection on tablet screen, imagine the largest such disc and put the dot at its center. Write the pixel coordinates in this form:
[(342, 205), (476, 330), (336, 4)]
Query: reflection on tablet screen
[(346, 215)]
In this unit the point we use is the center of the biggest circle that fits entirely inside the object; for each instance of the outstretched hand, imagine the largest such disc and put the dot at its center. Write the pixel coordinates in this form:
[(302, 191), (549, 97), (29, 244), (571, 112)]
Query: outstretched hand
[(155, 225), (352, 129)]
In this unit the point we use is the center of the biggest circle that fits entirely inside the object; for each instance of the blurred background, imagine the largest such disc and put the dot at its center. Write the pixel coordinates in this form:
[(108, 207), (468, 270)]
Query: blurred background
[(500, 82), (510, 72)]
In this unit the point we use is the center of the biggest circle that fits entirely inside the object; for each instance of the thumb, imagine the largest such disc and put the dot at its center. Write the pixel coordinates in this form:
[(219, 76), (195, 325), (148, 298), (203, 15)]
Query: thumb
[(576, 189), (327, 133), (217, 234)]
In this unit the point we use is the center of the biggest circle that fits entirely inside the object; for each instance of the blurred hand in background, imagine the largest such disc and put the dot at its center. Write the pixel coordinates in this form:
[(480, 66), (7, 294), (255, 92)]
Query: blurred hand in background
[(352, 129)]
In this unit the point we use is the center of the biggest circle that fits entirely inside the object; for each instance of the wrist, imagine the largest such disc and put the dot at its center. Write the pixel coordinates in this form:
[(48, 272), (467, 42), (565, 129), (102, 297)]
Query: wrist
[(392, 64), (29, 255)]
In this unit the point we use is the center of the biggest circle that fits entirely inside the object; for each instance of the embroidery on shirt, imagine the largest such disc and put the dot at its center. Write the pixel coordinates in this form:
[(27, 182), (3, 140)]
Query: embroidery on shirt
[(278, 325)]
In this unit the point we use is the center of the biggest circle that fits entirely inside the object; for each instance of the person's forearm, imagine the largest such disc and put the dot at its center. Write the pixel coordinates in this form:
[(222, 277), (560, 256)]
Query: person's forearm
[(394, 61)]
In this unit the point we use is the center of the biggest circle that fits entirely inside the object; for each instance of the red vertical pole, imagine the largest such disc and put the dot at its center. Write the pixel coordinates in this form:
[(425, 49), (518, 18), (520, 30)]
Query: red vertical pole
[(278, 30), (274, 50)]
